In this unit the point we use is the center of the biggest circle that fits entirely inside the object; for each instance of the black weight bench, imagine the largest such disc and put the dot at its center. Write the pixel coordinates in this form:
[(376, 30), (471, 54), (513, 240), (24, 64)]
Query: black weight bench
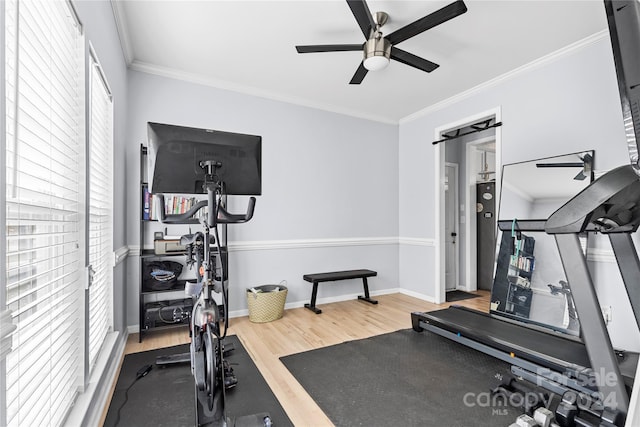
[(335, 276)]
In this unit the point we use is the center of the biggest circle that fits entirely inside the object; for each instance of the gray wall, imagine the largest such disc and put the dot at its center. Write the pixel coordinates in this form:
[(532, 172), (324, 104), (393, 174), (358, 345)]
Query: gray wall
[(565, 105), (326, 178)]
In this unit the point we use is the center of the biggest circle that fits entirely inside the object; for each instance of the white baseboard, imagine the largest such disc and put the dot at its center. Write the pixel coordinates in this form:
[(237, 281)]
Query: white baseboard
[(414, 294), (133, 329)]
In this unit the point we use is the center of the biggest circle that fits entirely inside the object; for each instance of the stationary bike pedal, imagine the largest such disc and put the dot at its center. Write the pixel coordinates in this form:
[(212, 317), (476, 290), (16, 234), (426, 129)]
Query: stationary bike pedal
[(230, 379), (227, 348)]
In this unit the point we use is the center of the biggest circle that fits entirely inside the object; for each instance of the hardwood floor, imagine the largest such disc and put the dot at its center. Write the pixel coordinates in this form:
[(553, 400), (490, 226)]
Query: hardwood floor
[(301, 330)]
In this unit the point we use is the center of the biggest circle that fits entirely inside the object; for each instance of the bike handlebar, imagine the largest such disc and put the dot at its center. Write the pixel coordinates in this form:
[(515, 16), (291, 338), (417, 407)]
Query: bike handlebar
[(224, 217)]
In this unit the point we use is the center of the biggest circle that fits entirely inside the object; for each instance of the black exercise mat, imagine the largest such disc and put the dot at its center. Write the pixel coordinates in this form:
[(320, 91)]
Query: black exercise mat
[(166, 396), (404, 378), (459, 296)]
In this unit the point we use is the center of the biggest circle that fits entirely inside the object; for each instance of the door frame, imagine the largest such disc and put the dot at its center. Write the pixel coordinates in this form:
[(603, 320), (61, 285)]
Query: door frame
[(439, 205), (456, 226)]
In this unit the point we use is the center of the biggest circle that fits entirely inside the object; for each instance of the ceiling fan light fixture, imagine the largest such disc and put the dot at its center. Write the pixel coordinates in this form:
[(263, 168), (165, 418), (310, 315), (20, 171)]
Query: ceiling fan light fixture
[(375, 63), (377, 49), (377, 52)]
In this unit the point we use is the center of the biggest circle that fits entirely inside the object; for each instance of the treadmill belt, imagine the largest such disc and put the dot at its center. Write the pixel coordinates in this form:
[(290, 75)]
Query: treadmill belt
[(545, 349)]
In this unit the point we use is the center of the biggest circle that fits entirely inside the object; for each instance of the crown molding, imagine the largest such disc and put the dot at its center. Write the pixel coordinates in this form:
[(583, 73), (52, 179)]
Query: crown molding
[(200, 79), (542, 61), (123, 34)]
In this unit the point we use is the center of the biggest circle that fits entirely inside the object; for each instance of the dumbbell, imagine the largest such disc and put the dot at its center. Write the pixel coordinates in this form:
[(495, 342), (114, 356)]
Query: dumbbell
[(567, 410), (612, 418), (516, 391), (525, 420), (543, 417)]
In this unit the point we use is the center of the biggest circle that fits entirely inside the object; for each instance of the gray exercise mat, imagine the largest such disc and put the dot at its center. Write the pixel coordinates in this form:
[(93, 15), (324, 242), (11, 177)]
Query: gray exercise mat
[(403, 378), (166, 396)]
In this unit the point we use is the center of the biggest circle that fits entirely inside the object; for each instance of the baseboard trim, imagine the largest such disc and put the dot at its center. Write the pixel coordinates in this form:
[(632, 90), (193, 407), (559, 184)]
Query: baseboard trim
[(418, 295), (133, 329)]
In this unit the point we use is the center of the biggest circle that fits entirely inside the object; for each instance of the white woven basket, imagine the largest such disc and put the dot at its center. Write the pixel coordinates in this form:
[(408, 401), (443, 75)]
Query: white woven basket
[(267, 304)]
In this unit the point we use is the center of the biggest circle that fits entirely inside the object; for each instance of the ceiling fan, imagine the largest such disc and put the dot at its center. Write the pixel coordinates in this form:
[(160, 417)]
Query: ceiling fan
[(378, 50), (586, 164)]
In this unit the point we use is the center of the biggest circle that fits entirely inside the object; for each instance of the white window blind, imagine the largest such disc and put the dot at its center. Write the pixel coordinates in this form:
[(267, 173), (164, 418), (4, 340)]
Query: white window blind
[(100, 210), (44, 79)]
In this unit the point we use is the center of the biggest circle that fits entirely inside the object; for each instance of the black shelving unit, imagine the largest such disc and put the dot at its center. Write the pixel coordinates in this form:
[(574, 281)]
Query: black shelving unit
[(151, 299), (519, 293)]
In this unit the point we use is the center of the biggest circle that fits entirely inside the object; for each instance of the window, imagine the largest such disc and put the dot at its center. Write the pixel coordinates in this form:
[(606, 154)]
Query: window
[(44, 137), (100, 209)]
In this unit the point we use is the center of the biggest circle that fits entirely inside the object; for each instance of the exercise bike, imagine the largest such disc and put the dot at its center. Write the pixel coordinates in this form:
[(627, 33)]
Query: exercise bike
[(209, 321)]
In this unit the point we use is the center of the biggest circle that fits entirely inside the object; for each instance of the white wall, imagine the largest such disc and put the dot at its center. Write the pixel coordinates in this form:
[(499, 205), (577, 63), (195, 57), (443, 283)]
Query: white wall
[(564, 105), (329, 188)]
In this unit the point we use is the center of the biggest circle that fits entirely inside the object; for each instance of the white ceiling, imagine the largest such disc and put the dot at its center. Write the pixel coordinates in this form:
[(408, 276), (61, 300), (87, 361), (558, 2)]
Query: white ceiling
[(249, 46)]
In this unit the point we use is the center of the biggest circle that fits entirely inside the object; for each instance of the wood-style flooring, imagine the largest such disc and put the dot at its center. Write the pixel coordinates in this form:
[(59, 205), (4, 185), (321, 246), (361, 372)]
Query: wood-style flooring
[(301, 330)]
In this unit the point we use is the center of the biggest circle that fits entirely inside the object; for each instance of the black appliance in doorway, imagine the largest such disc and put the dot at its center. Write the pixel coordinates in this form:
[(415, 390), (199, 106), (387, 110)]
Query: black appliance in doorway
[(486, 233)]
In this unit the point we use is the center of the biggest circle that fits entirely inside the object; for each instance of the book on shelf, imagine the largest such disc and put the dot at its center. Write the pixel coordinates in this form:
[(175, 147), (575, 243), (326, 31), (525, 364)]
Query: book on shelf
[(173, 205), (522, 263), (146, 207)]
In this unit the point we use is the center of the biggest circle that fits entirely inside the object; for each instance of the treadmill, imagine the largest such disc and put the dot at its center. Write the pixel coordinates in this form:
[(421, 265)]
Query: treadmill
[(553, 360), (610, 205)]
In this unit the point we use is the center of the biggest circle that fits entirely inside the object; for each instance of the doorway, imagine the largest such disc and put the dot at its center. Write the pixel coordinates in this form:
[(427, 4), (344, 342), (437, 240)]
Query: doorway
[(477, 152)]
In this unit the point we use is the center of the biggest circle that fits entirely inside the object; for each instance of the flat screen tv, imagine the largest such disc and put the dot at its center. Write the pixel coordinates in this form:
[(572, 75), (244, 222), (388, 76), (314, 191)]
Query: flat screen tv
[(175, 154), (623, 17)]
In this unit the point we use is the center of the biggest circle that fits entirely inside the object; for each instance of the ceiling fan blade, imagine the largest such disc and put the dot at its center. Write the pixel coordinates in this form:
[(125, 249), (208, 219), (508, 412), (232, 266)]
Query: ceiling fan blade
[(560, 165), (362, 14), (329, 48), (412, 60), (423, 24), (580, 177), (359, 75)]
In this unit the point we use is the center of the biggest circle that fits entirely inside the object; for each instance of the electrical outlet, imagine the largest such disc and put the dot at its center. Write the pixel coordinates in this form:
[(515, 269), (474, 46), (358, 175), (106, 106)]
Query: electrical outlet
[(606, 314)]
